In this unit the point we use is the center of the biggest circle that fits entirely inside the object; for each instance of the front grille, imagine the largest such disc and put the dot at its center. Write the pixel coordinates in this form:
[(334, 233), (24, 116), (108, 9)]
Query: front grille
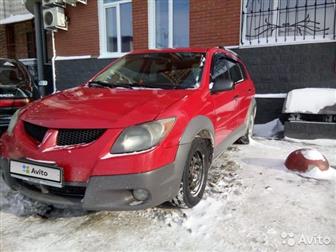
[(65, 136), (70, 191), (66, 191), (78, 136), (34, 131)]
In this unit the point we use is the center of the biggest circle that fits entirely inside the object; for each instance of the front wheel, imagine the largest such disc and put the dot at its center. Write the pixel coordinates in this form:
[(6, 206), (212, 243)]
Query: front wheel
[(195, 175)]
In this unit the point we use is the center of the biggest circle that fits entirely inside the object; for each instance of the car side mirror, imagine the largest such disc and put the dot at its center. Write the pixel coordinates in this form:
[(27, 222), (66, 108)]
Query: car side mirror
[(221, 84)]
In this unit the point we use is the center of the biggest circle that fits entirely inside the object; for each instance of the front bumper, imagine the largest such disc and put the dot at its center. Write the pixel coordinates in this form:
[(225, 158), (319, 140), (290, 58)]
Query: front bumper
[(107, 192)]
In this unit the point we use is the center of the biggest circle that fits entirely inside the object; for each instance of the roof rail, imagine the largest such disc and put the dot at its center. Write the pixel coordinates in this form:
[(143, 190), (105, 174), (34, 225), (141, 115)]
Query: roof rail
[(229, 50)]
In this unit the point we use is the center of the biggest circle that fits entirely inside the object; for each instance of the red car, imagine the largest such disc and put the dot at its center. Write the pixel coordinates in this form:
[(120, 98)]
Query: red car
[(17, 88), (141, 132)]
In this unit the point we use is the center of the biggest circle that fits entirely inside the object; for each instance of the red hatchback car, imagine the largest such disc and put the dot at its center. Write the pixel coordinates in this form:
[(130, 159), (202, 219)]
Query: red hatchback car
[(141, 132)]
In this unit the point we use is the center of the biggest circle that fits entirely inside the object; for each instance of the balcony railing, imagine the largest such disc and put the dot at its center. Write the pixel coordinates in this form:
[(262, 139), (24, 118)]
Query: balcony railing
[(287, 21)]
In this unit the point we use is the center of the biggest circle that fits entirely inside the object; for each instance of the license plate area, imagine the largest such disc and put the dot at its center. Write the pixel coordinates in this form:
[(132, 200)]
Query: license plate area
[(39, 173)]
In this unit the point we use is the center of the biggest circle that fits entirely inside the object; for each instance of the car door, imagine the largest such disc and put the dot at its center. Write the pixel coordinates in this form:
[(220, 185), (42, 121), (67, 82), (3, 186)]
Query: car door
[(225, 101), (242, 89)]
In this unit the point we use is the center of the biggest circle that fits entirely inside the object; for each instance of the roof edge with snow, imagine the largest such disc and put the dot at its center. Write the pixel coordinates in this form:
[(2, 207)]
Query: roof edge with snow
[(16, 19)]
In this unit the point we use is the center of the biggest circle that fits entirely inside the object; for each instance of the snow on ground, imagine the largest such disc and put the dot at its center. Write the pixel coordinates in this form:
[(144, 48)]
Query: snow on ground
[(252, 203), (311, 100)]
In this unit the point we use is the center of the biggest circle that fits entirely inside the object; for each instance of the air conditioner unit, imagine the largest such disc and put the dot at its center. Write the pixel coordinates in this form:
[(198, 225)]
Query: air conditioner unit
[(48, 3), (82, 1), (54, 18), (70, 2)]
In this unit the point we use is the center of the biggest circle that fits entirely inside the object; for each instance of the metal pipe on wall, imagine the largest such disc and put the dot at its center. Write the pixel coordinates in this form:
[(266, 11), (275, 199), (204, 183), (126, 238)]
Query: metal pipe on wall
[(39, 45)]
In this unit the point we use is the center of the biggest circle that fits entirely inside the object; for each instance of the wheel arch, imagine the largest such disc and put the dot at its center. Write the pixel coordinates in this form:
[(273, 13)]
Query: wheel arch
[(199, 126)]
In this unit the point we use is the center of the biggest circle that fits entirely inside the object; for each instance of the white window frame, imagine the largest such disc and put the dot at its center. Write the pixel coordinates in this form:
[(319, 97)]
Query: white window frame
[(102, 28), (152, 24), (280, 39)]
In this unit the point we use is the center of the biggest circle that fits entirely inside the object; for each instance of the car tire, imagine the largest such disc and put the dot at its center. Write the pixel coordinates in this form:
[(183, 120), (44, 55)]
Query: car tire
[(195, 174), (249, 133)]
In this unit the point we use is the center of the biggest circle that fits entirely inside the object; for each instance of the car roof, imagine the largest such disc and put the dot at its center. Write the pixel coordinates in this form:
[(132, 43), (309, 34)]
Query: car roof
[(189, 49), (170, 50)]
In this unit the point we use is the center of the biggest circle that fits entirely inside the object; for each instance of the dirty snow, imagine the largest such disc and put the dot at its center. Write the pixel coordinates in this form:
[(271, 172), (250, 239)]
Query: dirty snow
[(310, 100), (251, 203)]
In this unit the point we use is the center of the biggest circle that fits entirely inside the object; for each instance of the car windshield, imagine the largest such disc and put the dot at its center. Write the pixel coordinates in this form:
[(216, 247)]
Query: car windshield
[(155, 70)]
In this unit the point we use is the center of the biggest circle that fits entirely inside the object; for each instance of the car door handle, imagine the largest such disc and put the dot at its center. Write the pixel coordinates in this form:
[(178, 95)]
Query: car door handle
[(236, 97)]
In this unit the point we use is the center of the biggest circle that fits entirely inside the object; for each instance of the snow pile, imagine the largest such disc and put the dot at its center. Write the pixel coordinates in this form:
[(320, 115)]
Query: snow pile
[(272, 129), (316, 173), (18, 204), (310, 100)]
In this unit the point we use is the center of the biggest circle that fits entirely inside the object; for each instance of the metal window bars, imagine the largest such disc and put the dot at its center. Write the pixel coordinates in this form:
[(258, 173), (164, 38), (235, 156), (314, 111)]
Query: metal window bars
[(284, 21)]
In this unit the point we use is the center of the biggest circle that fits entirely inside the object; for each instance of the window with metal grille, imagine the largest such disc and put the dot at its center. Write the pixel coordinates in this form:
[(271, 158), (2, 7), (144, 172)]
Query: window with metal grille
[(287, 21)]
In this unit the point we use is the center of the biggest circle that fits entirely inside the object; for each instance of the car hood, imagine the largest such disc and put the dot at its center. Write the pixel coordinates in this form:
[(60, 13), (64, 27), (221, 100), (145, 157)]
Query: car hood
[(85, 107)]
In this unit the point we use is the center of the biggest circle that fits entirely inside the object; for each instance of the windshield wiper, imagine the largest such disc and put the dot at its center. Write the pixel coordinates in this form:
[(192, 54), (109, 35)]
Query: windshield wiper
[(134, 85), (109, 85), (160, 86)]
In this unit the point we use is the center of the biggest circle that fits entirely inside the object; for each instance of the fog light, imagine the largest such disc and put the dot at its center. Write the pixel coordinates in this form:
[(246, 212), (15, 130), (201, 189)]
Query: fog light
[(140, 194)]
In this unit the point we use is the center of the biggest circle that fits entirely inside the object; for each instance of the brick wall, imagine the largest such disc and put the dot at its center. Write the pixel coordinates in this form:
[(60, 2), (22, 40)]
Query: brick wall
[(3, 44), (21, 29), (215, 22), (82, 37), (140, 24)]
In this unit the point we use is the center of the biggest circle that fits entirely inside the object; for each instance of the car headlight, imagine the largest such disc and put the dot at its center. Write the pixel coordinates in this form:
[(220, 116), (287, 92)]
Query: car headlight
[(142, 137), (13, 122)]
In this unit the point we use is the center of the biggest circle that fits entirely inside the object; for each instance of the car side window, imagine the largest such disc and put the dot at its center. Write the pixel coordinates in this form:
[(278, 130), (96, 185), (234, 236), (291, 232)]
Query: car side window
[(235, 71), (219, 67), (220, 71)]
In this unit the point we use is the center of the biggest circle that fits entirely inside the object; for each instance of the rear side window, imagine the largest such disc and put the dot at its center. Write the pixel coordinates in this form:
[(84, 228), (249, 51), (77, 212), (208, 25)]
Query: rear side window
[(235, 71)]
